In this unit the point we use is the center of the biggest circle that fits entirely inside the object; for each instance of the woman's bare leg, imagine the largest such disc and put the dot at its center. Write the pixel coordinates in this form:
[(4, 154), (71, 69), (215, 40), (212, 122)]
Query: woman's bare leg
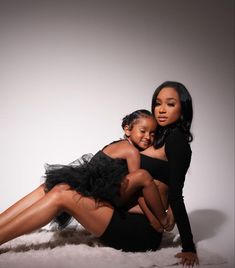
[(93, 217), (141, 179), (21, 205)]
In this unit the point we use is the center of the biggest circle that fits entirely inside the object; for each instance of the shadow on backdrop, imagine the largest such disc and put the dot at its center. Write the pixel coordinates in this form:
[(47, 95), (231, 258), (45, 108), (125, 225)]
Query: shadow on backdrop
[(206, 223)]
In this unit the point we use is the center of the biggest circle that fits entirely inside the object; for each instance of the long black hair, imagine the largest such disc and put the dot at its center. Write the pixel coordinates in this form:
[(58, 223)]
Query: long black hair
[(185, 120)]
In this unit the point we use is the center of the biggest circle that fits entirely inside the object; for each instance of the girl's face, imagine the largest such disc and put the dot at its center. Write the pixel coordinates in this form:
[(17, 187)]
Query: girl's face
[(142, 132), (168, 106)]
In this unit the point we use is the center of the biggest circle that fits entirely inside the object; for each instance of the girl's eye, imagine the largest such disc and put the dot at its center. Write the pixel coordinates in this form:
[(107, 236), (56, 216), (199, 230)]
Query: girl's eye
[(142, 131)]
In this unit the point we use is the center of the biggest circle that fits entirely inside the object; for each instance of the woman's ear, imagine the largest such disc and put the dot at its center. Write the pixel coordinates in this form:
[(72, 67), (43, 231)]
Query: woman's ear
[(127, 131)]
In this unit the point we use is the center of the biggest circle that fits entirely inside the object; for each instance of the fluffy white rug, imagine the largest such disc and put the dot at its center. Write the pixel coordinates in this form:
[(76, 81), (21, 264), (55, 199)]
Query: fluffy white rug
[(75, 248)]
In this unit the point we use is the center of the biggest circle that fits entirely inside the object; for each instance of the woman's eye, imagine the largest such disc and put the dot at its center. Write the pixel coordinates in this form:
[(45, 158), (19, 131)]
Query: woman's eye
[(157, 103), (171, 104)]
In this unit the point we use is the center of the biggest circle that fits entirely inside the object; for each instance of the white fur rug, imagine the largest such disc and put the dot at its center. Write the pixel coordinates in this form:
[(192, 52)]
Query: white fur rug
[(75, 248)]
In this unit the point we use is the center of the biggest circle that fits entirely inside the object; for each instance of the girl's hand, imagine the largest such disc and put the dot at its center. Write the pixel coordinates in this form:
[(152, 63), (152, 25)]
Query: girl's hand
[(170, 222), (188, 258), (156, 225)]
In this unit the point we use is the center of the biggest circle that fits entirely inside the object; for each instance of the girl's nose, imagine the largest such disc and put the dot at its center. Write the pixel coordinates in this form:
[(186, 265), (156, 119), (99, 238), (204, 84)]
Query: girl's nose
[(147, 136)]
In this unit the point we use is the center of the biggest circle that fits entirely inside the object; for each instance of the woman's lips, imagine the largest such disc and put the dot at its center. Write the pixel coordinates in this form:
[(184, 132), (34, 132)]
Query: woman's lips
[(162, 119)]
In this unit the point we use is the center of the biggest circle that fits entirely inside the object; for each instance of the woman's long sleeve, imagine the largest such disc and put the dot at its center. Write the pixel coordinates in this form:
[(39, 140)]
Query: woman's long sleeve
[(178, 153)]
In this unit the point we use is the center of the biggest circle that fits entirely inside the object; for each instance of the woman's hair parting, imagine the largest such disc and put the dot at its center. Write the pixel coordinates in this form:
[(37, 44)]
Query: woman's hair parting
[(186, 118), (132, 118)]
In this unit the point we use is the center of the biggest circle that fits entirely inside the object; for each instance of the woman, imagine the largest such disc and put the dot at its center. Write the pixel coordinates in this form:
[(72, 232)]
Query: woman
[(169, 158), (172, 107)]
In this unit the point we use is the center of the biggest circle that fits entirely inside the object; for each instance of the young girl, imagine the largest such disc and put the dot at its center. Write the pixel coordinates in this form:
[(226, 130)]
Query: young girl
[(106, 176)]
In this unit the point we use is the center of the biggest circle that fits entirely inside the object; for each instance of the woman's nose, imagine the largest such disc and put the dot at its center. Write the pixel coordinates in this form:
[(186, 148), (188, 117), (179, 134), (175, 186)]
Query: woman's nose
[(162, 109)]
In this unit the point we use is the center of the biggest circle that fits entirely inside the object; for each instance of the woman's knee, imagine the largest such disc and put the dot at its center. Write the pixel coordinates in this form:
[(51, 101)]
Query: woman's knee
[(57, 193), (61, 187)]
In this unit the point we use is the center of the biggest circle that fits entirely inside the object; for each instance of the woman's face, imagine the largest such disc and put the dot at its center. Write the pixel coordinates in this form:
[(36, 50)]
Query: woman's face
[(168, 107)]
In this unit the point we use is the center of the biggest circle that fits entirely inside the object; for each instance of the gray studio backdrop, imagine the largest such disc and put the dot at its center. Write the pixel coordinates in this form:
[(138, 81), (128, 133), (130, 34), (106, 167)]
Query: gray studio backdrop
[(70, 70)]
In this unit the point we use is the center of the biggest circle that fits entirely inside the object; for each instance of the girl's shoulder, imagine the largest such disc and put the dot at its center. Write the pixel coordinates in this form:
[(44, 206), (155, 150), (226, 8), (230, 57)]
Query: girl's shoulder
[(126, 146), (121, 148)]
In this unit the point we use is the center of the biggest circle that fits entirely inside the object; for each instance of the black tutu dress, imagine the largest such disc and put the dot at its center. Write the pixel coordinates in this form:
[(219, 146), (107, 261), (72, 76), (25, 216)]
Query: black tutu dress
[(97, 176)]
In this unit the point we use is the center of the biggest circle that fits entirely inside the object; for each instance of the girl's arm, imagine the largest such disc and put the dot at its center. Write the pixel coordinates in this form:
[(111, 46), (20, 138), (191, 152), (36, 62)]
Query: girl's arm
[(124, 150), (142, 208), (132, 156)]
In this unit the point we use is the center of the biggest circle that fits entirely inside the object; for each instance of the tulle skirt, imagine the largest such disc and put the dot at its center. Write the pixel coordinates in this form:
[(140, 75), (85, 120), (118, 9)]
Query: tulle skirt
[(97, 176)]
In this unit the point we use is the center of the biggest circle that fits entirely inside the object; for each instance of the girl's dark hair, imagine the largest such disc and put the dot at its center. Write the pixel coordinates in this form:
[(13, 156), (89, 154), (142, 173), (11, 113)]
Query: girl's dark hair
[(131, 119), (185, 120)]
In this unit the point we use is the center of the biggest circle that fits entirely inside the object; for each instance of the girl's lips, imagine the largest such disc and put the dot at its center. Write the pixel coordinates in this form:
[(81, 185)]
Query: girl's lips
[(146, 143)]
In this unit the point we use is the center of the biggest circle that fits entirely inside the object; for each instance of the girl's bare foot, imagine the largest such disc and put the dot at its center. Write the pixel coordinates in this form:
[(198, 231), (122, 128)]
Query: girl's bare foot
[(171, 220), (157, 226)]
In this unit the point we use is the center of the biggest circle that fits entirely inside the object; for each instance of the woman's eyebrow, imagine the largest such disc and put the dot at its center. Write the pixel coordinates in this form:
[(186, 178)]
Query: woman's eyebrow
[(168, 99)]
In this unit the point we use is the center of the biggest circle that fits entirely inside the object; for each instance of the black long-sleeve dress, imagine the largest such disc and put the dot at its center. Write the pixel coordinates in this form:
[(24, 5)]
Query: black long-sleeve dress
[(172, 173)]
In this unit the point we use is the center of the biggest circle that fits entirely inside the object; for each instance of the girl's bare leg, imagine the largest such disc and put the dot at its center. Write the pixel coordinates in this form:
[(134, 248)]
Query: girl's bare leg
[(141, 179), (21, 205), (163, 191), (93, 217)]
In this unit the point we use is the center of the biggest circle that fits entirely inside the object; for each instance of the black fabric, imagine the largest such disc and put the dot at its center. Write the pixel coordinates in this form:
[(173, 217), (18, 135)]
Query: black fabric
[(97, 176), (172, 172), (100, 177), (179, 153), (159, 169), (131, 232)]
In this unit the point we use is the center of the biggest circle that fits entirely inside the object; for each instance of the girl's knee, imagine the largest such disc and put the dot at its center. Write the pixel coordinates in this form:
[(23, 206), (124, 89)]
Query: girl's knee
[(142, 173), (145, 177), (141, 177)]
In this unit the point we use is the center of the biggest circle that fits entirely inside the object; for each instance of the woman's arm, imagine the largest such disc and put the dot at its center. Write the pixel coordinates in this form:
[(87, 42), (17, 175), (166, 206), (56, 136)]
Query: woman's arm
[(178, 153)]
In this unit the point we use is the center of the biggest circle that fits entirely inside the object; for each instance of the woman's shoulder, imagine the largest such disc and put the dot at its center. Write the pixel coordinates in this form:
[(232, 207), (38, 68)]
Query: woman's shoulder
[(178, 150), (176, 141), (176, 135)]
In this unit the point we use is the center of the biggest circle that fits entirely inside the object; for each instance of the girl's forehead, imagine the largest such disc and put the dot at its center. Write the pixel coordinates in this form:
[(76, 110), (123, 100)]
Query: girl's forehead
[(145, 120)]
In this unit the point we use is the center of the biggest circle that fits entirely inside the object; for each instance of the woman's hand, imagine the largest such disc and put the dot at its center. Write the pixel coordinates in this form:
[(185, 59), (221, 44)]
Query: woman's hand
[(188, 258)]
